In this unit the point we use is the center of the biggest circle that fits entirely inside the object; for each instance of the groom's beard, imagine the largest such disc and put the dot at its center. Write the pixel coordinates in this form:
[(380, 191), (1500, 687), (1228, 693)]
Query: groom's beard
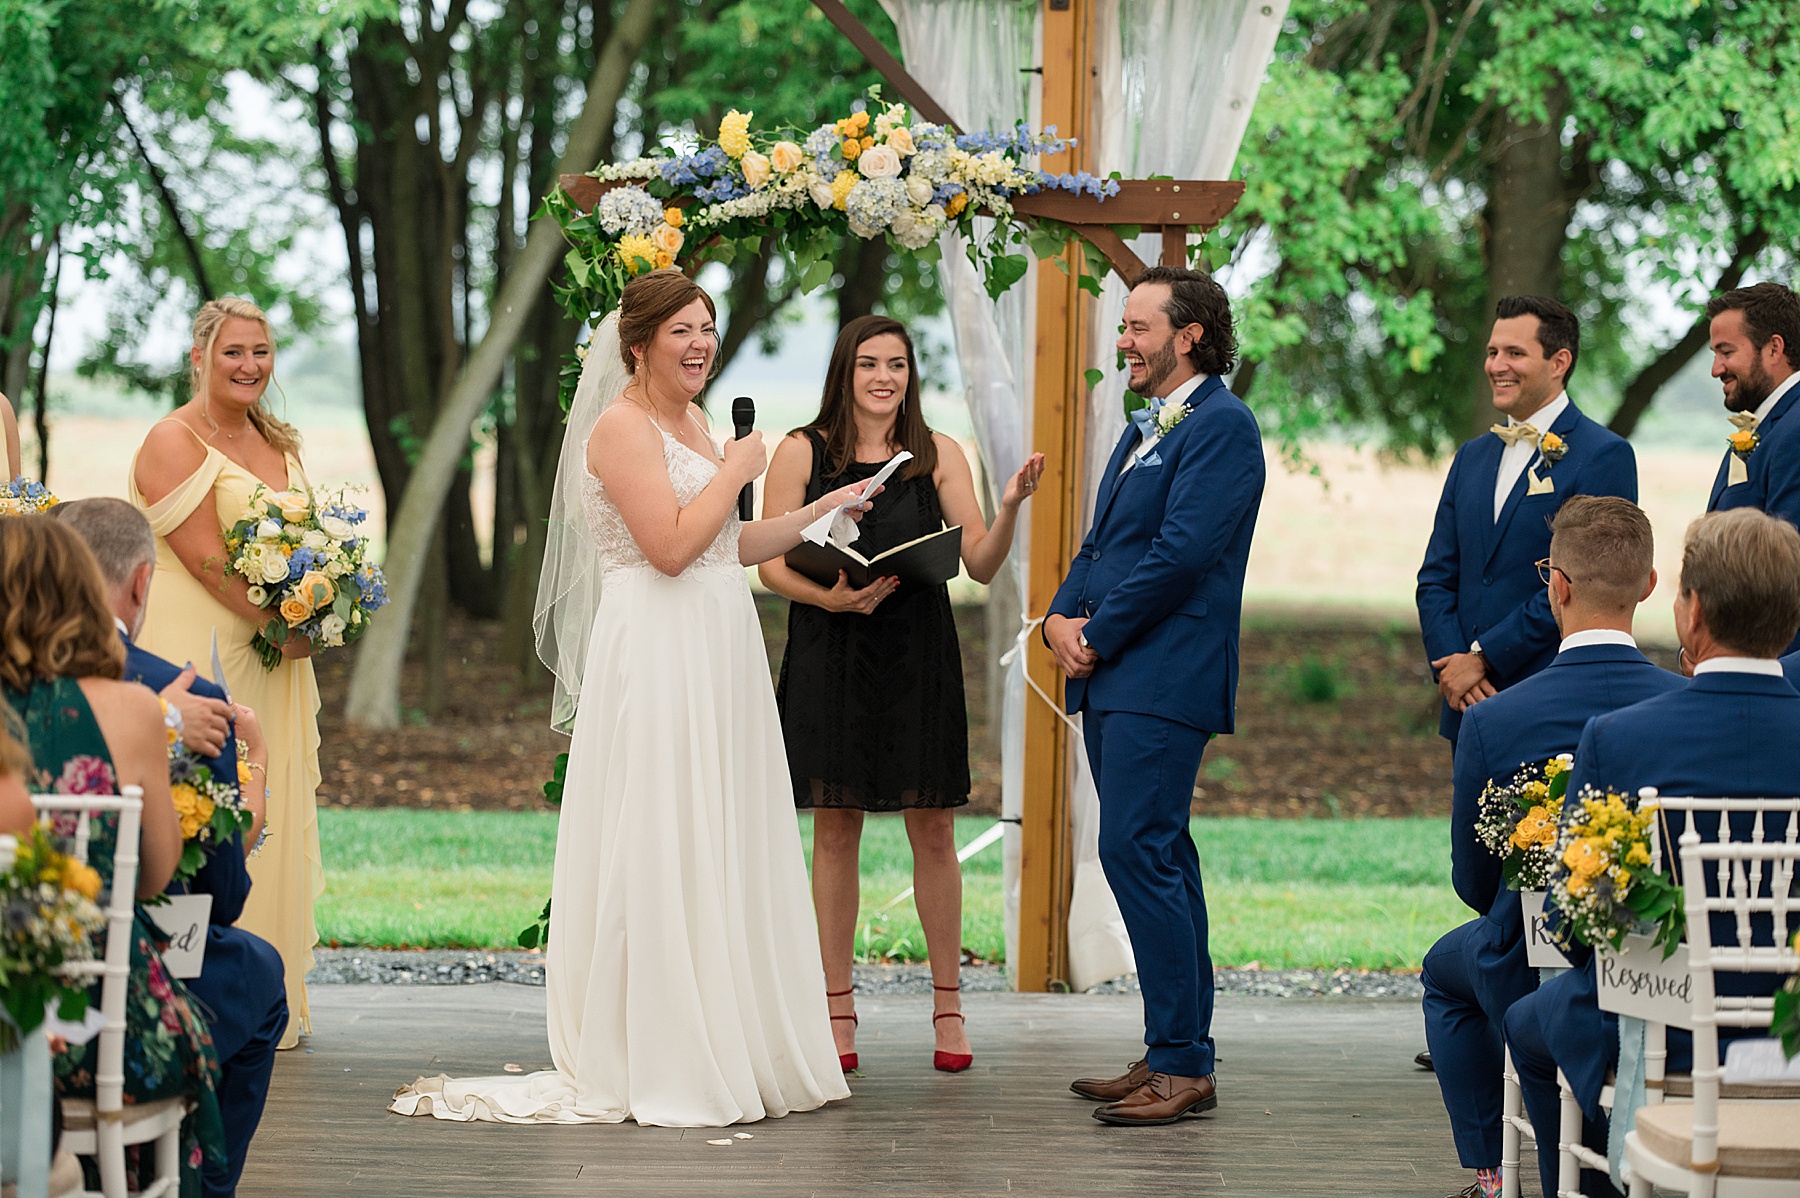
[(1158, 367), (1751, 390)]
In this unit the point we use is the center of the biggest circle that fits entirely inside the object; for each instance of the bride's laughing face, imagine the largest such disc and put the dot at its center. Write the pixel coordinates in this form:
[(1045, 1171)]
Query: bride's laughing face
[(680, 356), (242, 362)]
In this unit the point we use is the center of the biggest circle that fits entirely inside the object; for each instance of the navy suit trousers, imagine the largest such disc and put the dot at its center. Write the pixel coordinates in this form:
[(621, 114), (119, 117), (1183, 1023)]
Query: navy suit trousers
[(1144, 769), (243, 994), (1465, 1045)]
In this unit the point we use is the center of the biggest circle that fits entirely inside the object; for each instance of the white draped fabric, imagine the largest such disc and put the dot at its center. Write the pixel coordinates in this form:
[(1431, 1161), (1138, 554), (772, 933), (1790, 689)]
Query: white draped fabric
[(1176, 85)]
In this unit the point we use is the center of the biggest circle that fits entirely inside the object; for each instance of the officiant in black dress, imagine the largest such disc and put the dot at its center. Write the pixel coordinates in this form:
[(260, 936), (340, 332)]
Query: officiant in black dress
[(871, 689)]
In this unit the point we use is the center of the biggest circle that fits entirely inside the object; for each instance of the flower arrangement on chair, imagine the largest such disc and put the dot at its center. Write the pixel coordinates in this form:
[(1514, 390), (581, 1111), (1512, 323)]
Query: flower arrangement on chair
[(308, 565), (1518, 821), (877, 171), (48, 920), (1785, 1025), (1603, 881)]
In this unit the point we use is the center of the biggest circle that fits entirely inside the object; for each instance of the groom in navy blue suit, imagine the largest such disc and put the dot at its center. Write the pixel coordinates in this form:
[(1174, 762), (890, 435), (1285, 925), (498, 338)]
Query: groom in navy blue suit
[(241, 988), (1598, 571), (1145, 627), (1755, 339), (1482, 609), (1731, 732)]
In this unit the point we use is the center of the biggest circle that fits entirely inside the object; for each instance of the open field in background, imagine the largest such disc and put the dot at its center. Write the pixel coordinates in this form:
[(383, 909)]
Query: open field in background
[(1284, 893)]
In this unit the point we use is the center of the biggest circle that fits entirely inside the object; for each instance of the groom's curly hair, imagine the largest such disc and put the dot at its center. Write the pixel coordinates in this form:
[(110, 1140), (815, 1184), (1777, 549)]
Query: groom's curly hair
[(1196, 298)]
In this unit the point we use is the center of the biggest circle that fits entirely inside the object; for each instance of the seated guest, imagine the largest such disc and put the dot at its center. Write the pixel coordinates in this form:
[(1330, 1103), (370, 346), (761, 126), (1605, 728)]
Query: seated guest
[(1598, 571), (1730, 732), (241, 983), (16, 812), (90, 732)]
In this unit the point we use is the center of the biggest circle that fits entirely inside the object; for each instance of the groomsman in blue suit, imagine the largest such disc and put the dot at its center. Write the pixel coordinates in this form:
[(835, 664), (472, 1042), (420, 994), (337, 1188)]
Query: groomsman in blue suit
[(1755, 334), (1482, 610), (1598, 571), (1146, 629), (1730, 732), (241, 989)]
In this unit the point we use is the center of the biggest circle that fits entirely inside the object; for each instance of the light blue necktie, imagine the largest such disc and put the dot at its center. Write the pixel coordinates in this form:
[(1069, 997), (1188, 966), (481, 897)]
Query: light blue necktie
[(1145, 417)]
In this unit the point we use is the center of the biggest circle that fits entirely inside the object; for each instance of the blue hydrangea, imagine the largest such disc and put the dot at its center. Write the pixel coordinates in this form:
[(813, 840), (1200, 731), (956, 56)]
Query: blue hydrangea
[(628, 210), (873, 204), (930, 137), (373, 585)]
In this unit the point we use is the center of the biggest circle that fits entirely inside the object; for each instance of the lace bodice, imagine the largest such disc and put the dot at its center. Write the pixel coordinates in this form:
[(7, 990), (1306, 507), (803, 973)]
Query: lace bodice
[(690, 472)]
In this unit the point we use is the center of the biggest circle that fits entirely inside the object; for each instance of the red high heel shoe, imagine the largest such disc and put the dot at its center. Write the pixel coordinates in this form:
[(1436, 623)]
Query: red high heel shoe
[(950, 1062), (846, 1060)]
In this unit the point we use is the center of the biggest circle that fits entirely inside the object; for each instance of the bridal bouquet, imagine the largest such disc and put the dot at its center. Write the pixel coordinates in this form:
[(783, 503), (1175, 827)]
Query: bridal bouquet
[(877, 171), (1603, 881), (1519, 821), (22, 498), (48, 920), (307, 565)]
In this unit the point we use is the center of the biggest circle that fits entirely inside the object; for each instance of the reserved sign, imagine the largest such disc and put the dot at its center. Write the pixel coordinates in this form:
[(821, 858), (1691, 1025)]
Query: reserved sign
[(1541, 951), (184, 917), (1638, 981)]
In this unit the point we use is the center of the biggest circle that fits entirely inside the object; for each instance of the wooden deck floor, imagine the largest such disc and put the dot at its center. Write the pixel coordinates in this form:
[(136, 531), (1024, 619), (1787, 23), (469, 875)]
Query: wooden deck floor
[(1316, 1097)]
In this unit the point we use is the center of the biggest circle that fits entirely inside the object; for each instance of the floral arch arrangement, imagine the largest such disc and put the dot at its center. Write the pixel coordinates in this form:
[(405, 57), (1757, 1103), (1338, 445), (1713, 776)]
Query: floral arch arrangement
[(879, 171)]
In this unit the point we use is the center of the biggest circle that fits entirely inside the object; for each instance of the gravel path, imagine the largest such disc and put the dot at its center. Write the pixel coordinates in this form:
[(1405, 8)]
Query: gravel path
[(401, 967)]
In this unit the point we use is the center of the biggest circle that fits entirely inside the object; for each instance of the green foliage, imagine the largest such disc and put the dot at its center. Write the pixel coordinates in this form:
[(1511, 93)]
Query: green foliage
[(1314, 680)]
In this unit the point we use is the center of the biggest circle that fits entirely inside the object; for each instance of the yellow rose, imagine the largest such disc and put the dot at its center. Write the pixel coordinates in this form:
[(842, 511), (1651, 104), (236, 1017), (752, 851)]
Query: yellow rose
[(1550, 443), (318, 589), (756, 168), (295, 506), (245, 774), (840, 188), (668, 239), (295, 610), (664, 259), (673, 218), (859, 121), (734, 133), (786, 156), (956, 204), (82, 880), (1744, 440), (1578, 886), (852, 148), (901, 140), (1585, 858)]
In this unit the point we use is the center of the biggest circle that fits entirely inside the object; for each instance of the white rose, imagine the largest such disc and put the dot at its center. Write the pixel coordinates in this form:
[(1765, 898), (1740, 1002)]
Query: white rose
[(274, 568), (879, 162), (331, 629), (337, 529), (337, 568), (918, 192), (313, 538), (268, 530), (820, 189), (256, 595)]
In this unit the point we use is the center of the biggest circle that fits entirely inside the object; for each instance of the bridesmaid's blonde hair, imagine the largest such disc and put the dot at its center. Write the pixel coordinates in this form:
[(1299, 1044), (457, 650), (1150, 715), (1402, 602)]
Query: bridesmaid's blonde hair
[(207, 322)]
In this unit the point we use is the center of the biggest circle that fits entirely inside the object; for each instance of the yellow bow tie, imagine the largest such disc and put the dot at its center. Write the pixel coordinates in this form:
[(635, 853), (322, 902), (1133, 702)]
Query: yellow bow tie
[(1512, 434), (1743, 420)]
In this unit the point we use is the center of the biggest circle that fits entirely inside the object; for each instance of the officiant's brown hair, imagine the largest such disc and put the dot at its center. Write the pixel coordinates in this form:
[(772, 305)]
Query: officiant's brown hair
[(836, 420), (55, 618)]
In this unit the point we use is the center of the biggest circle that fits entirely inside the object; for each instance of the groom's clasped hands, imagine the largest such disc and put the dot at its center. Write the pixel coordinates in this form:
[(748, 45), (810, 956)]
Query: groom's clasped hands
[(1063, 634)]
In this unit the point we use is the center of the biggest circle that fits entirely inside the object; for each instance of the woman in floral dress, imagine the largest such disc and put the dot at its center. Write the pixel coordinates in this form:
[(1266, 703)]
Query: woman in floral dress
[(89, 733)]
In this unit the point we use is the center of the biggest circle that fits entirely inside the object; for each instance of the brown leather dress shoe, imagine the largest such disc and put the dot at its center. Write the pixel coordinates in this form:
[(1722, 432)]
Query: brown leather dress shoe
[(1111, 1089), (1163, 1098)]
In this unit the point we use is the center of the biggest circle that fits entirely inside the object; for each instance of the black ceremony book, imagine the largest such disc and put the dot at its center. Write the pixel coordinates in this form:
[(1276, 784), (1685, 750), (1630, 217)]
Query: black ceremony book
[(931, 559)]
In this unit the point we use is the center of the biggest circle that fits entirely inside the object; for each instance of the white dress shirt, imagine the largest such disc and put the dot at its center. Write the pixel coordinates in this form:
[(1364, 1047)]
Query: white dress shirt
[(1596, 636), (1515, 457), (1147, 441), (1768, 405), (1739, 665)]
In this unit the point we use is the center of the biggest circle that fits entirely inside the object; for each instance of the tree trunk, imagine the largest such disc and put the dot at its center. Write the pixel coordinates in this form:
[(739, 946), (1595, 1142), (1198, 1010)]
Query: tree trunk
[(374, 687), (864, 267), (1529, 204)]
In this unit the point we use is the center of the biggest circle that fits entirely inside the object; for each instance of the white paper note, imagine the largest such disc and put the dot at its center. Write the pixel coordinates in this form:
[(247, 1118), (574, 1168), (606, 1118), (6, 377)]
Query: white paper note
[(836, 526)]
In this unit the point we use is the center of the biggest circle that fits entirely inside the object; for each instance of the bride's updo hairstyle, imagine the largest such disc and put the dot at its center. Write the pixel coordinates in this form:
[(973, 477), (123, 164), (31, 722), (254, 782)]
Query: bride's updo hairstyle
[(207, 323), (648, 301)]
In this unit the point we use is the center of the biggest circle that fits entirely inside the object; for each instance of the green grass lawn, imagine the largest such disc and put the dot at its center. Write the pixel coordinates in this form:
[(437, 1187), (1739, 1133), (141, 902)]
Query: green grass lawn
[(1286, 893)]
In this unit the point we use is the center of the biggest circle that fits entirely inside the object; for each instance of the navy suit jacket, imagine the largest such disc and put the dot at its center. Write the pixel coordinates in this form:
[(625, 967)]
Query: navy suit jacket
[(1160, 576), (1531, 722), (1722, 735), (1478, 580), (223, 875), (1790, 665), (1773, 467)]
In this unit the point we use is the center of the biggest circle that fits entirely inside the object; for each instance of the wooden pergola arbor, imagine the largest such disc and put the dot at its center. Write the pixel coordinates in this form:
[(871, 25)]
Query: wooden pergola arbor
[(1175, 207)]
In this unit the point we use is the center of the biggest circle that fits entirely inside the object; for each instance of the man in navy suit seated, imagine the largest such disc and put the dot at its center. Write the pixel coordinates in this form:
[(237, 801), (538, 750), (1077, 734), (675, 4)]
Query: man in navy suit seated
[(1730, 732), (1482, 610), (1598, 571), (241, 987), (1145, 627), (1755, 338)]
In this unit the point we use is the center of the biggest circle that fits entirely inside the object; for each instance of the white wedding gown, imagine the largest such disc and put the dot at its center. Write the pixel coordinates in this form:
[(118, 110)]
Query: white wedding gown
[(683, 974)]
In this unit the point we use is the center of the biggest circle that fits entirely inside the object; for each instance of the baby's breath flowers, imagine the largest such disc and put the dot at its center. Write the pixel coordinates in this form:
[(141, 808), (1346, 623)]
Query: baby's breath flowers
[(1518, 821), (1603, 881)]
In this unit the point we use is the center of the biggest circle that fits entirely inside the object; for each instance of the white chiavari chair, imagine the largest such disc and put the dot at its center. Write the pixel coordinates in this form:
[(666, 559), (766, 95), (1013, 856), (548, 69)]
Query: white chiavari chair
[(104, 1127)]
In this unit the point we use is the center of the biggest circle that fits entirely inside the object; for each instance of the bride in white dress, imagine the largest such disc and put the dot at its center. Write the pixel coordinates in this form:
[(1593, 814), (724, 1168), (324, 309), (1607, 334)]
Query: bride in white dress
[(683, 975)]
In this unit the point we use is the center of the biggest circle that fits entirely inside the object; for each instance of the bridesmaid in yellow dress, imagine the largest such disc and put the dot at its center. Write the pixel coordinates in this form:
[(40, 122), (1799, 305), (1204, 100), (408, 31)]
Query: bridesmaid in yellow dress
[(192, 477)]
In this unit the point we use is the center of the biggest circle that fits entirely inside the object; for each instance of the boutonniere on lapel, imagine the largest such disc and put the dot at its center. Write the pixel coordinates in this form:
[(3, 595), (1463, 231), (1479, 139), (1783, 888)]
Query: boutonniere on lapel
[(1551, 449), (1743, 444), (1170, 415)]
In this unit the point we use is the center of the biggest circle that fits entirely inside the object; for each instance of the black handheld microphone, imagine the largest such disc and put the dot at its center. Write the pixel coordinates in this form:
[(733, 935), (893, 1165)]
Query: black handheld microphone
[(743, 415)]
